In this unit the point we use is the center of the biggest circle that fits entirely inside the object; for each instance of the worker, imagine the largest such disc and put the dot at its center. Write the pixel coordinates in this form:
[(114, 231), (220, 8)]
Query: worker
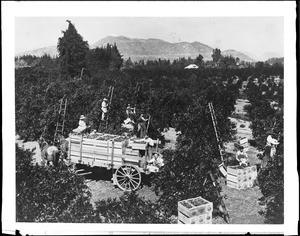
[(242, 157), (81, 124), (130, 111), (157, 160), (150, 144), (130, 119), (268, 153), (104, 106), (270, 150), (142, 125)]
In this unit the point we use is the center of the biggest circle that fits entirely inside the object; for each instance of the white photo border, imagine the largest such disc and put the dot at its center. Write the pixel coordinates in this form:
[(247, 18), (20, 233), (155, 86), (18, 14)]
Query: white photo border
[(11, 10)]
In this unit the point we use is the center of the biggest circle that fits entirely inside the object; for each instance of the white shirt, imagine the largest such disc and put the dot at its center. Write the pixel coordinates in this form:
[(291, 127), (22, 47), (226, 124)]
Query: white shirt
[(104, 106), (82, 123)]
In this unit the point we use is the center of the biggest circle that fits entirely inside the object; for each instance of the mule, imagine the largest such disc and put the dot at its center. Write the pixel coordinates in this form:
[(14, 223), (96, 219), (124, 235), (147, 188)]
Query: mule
[(63, 146), (50, 154)]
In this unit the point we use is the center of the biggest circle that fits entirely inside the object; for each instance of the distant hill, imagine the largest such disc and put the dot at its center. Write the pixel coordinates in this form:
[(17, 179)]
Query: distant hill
[(152, 48), (234, 53), (51, 51), (267, 55)]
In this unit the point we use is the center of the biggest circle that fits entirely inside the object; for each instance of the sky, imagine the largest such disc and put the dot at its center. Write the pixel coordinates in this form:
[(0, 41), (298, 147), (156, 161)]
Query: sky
[(254, 35)]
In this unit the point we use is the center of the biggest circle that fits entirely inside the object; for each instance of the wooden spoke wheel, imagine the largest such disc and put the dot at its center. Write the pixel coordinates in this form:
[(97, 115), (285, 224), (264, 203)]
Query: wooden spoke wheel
[(128, 177)]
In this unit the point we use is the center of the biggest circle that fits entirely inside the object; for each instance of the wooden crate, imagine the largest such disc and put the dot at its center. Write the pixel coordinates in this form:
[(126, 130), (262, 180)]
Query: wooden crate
[(243, 141), (253, 168), (250, 183), (195, 211), (235, 170), (240, 178), (198, 219), (234, 185), (139, 146), (234, 178), (253, 172)]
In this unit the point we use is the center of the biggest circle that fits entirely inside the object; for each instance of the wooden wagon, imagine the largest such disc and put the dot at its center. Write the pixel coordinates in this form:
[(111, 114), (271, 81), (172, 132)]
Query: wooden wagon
[(127, 157)]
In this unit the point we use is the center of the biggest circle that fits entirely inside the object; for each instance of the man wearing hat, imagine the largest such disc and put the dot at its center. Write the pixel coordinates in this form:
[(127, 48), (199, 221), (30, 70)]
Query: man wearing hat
[(81, 124), (157, 160), (269, 151), (130, 111), (104, 106), (142, 125), (242, 157)]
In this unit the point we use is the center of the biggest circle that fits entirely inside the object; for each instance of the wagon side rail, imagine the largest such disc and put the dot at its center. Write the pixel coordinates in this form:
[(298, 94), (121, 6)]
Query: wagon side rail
[(104, 153)]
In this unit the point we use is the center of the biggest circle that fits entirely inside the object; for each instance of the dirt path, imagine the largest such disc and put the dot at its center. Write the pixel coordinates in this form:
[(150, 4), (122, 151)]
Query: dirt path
[(242, 205)]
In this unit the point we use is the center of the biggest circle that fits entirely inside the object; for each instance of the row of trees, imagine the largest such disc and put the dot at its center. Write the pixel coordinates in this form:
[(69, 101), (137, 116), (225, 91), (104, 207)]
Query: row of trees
[(267, 120)]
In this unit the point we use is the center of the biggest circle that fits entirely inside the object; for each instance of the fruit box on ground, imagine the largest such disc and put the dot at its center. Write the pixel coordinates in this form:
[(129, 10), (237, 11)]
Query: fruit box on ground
[(244, 142), (241, 177), (195, 211)]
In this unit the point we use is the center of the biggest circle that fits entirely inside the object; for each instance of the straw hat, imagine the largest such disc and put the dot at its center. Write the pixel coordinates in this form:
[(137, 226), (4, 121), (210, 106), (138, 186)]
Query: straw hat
[(82, 117), (105, 99), (274, 141)]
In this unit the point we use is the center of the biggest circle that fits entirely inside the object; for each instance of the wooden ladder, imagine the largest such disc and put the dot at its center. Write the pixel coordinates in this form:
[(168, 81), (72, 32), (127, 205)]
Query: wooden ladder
[(104, 124), (217, 134), (60, 124)]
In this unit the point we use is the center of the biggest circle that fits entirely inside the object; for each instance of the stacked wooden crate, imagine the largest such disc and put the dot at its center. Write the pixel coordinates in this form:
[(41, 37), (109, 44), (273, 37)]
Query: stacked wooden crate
[(107, 150), (241, 177), (100, 150), (195, 211), (244, 142)]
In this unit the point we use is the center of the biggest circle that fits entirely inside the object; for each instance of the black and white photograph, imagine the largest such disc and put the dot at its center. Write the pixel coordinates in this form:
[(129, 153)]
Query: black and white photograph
[(149, 118)]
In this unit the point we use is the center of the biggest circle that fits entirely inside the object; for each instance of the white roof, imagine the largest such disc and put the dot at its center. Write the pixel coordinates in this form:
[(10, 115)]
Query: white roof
[(191, 66)]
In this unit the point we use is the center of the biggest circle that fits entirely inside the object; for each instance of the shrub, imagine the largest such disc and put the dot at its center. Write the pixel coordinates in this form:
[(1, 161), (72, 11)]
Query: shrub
[(49, 194), (271, 179), (272, 187), (130, 208)]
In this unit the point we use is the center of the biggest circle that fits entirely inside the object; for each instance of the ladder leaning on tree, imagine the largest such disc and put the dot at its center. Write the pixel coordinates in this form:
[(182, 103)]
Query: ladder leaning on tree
[(60, 124), (104, 124), (222, 206), (219, 141)]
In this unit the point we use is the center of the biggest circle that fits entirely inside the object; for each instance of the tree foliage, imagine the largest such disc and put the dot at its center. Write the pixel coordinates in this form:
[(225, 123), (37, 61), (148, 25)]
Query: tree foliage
[(265, 120), (72, 51), (216, 55), (196, 154), (130, 208), (104, 58), (48, 194)]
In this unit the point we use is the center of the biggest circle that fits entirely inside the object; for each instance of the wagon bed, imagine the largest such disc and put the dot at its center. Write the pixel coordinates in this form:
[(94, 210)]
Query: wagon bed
[(119, 153)]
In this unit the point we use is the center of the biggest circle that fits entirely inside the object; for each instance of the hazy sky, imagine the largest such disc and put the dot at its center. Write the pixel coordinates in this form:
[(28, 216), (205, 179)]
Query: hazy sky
[(250, 34)]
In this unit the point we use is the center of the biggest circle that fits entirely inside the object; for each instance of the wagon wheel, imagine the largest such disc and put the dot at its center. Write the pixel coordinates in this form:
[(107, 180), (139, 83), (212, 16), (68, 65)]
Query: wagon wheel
[(128, 177)]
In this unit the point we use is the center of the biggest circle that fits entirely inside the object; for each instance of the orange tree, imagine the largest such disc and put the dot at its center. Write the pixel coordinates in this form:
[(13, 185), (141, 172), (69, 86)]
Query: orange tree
[(50, 194), (266, 119), (187, 167)]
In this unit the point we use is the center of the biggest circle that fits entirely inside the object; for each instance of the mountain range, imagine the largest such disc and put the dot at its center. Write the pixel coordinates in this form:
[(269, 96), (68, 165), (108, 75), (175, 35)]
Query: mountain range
[(151, 49)]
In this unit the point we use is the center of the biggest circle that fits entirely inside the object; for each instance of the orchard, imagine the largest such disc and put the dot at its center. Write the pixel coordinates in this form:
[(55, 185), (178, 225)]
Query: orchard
[(173, 97)]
